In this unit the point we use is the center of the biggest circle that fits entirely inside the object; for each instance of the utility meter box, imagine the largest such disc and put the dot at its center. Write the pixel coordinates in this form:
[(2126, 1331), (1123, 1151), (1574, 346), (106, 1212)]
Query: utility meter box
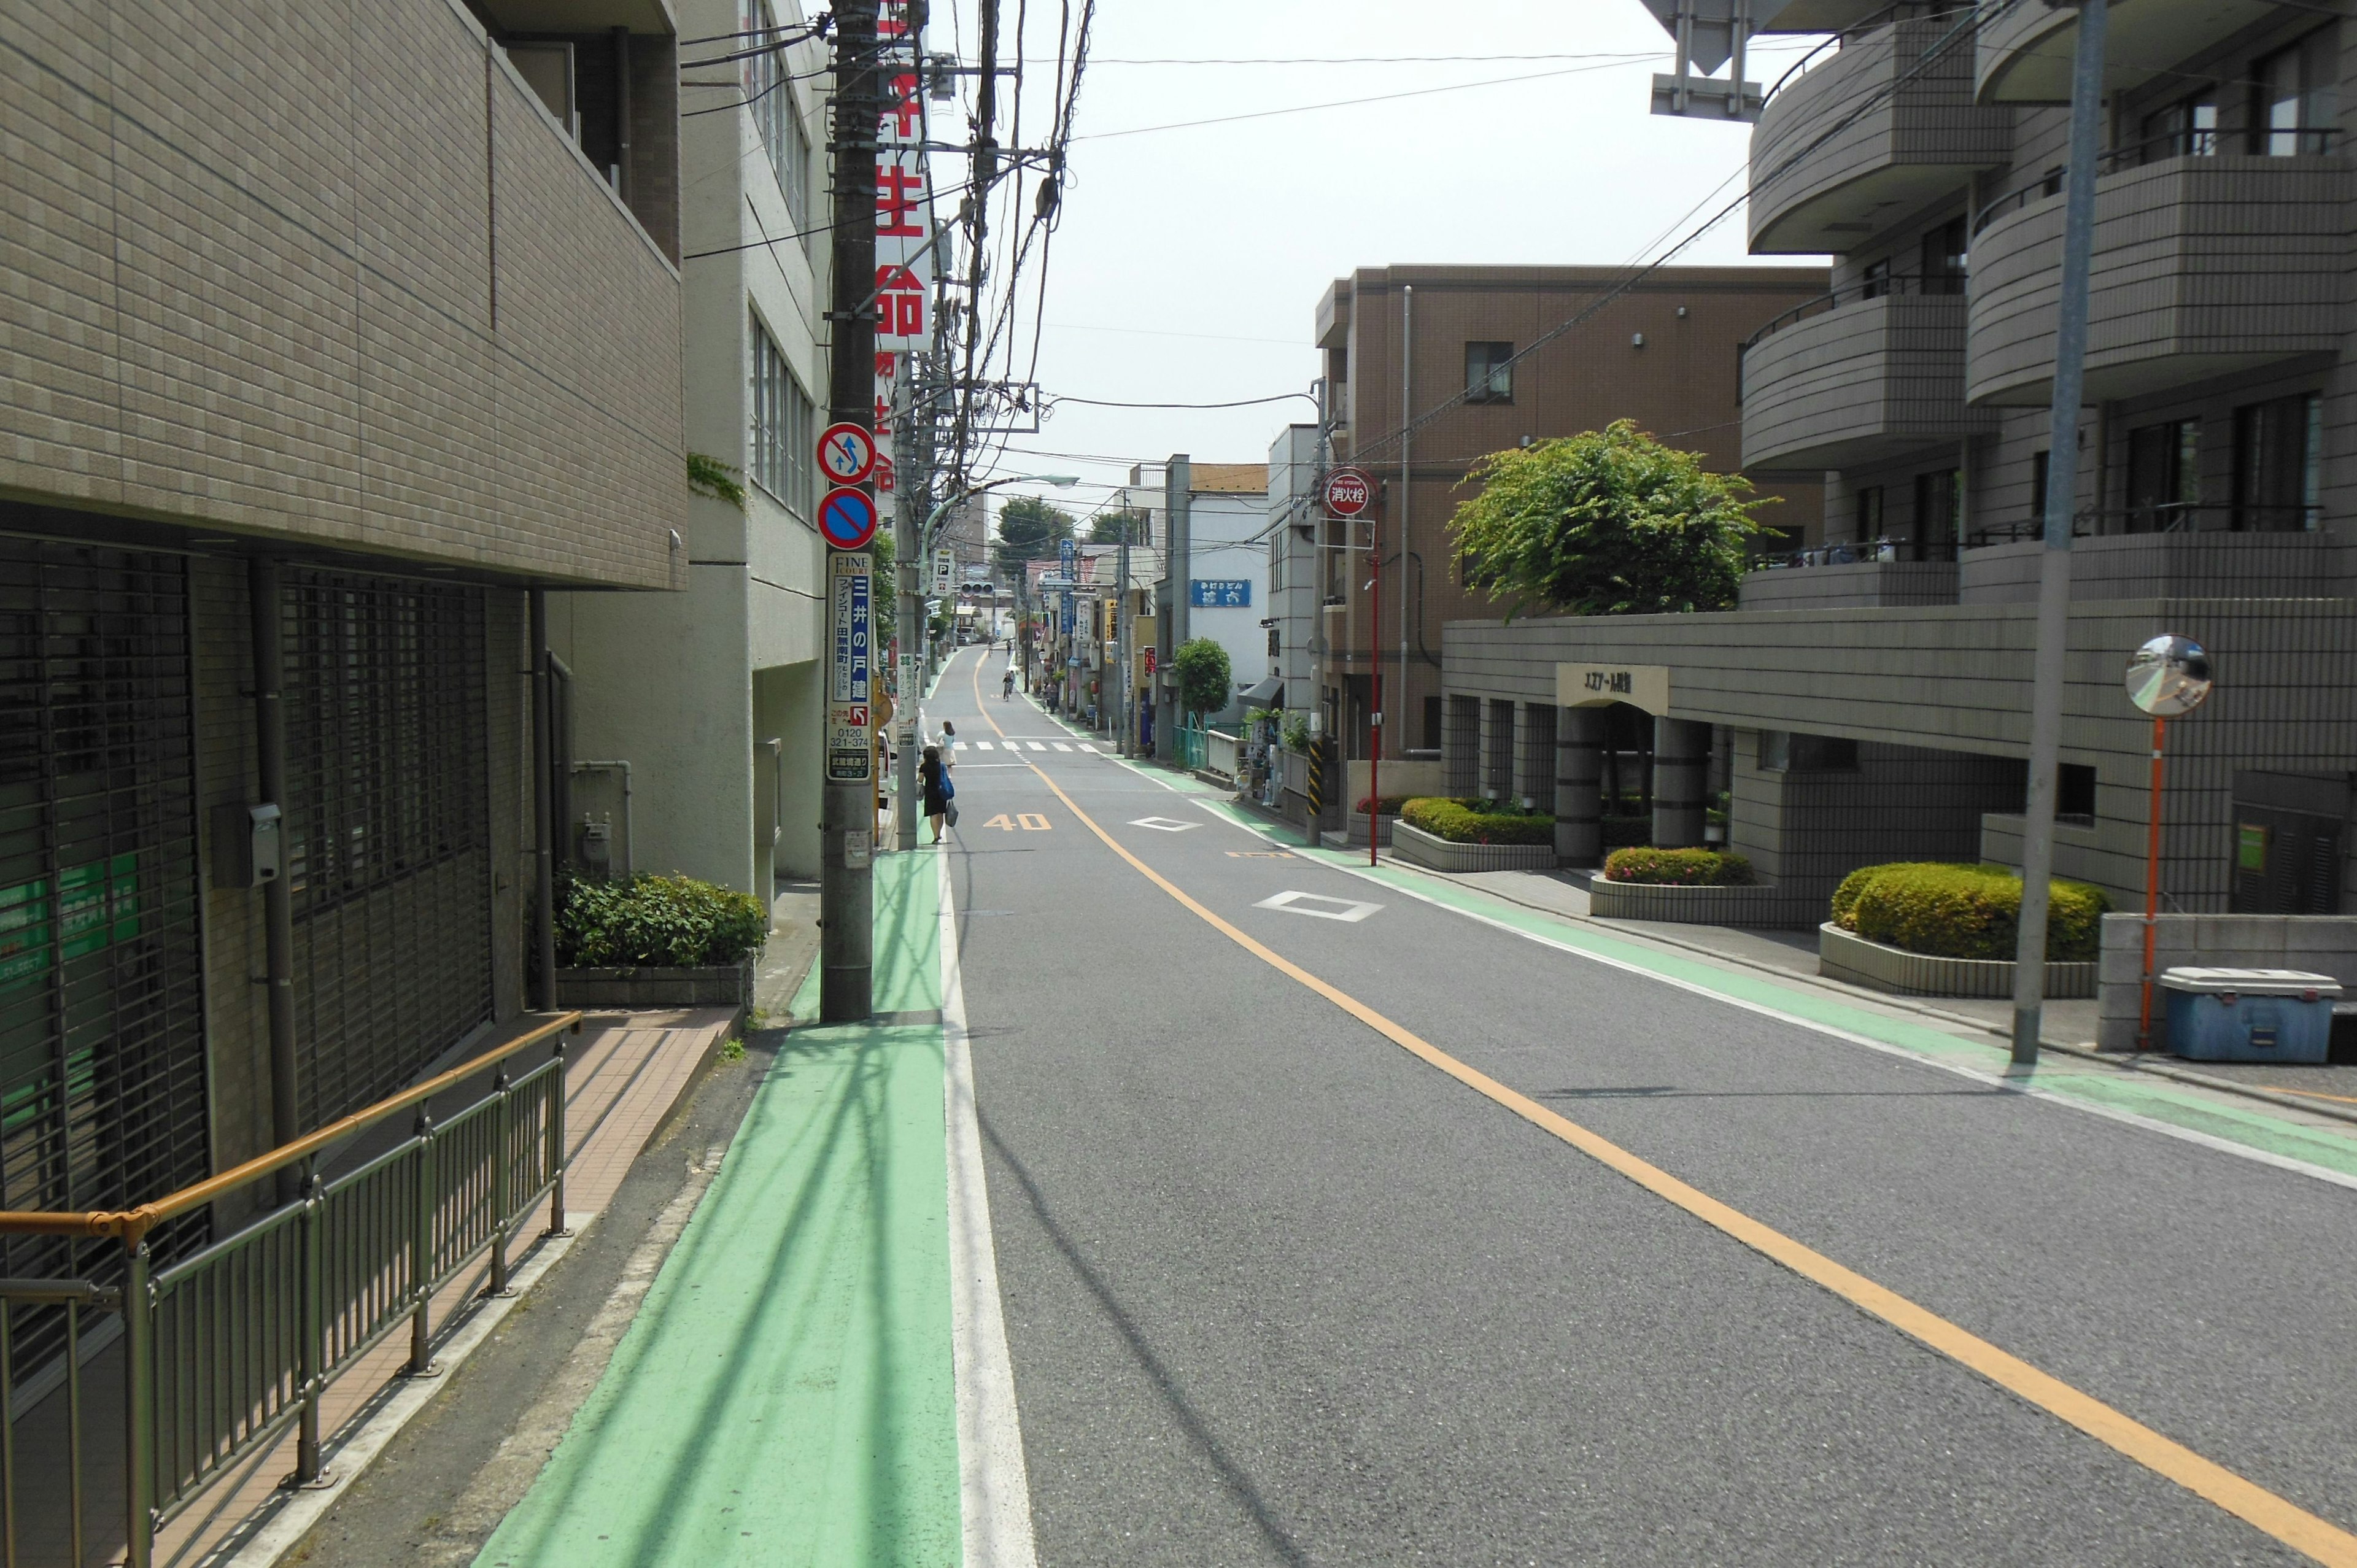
[(2250, 1014), (248, 848)]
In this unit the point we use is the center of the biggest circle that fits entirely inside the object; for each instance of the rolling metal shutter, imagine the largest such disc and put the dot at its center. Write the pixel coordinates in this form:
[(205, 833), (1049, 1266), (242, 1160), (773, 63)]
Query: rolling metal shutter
[(389, 849), (102, 1091)]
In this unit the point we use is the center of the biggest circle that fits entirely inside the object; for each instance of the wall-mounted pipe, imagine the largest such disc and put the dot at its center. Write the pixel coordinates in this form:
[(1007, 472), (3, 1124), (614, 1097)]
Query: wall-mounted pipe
[(277, 895), (543, 803), (630, 831)]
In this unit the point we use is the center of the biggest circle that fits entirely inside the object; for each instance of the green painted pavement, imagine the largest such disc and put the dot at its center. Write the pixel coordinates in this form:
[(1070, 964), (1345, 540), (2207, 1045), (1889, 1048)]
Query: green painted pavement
[(784, 1395), (2068, 1078)]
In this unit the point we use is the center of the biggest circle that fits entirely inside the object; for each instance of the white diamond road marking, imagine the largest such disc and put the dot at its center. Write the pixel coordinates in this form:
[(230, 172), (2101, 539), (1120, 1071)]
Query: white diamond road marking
[(1060, 745), (1298, 903), (1164, 824)]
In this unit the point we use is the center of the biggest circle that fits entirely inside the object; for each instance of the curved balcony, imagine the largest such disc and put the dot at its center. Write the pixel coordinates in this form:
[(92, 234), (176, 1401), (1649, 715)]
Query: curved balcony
[(1849, 381), (1917, 139), (2203, 267), (2024, 51)]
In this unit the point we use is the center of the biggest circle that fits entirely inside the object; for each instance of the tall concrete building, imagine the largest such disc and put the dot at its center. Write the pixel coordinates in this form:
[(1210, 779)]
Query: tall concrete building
[(1870, 699), (330, 345), (1398, 340), (704, 706)]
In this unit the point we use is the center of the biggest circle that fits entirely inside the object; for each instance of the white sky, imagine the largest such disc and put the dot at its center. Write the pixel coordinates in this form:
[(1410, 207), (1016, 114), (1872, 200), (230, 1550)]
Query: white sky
[(1188, 263)]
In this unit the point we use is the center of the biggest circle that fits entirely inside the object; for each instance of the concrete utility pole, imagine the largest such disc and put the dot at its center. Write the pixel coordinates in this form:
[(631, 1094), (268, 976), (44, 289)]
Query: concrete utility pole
[(1122, 627), (908, 552), (2062, 503), (1178, 498), (847, 822)]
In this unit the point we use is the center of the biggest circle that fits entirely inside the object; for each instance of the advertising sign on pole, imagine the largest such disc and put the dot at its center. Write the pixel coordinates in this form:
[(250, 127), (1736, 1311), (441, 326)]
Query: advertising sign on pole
[(850, 749), (945, 572)]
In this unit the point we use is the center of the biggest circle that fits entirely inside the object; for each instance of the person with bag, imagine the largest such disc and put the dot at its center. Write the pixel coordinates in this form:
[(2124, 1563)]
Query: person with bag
[(940, 793)]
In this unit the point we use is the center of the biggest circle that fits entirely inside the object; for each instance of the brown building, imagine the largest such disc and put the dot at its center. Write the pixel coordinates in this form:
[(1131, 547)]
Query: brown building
[(1664, 353)]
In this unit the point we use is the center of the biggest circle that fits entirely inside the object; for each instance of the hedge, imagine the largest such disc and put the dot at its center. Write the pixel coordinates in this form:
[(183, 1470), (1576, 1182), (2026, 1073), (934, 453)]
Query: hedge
[(1964, 911), (1392, 803), (1678, 867), (1477, 822), (666, 922)]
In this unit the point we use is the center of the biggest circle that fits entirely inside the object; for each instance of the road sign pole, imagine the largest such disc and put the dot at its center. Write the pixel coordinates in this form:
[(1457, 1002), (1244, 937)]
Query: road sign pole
[(847, 818)]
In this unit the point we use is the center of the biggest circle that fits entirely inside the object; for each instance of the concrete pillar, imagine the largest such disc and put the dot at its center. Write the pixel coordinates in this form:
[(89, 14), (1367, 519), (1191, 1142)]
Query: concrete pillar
[(1534, 755), (1681, 778), (1579, 786), (1460, 745)]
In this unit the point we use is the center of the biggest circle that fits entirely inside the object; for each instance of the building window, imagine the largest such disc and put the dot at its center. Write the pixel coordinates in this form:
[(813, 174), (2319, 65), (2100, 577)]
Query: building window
[(2279, 449), (785, 429), (770, 96), (2074, 793), (1939, 507), (1869, 514), (2164, 476), (1489, 378), (2185, 129), (1944, 258), (1877, 280), (2296, 97)]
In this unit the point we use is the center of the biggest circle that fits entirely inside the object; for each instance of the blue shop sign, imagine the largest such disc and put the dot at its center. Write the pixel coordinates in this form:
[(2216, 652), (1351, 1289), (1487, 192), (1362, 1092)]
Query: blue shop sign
[(1219, 593)]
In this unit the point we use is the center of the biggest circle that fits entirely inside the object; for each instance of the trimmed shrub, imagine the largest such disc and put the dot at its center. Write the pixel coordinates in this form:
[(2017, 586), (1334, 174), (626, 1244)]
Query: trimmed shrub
[(1964, 911), (665, 921), (1392, 803), (1678, 867), (1625, 833), (1477, 822)]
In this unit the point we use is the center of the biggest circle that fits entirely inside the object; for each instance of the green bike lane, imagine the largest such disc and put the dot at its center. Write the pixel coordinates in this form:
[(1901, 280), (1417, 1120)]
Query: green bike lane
[(786, 1393)]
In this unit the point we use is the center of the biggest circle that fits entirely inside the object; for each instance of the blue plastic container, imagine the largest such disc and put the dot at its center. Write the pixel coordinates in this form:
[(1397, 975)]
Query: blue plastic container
[(2250, 1014)]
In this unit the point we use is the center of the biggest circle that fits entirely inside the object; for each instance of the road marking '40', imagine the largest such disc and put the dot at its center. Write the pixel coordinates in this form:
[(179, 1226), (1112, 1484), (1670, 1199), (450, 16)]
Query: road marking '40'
[(1029, 822)]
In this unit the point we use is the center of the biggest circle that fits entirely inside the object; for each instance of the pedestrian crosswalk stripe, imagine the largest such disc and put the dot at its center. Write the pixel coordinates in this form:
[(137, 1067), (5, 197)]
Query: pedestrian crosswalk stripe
[(1087, 747), (1060, 745), (957, 746), (983, 745), (1036, 747)]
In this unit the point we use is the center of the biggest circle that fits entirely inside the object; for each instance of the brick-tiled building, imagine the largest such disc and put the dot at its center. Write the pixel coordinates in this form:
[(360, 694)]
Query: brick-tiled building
[(1869, 698), (328, 345)]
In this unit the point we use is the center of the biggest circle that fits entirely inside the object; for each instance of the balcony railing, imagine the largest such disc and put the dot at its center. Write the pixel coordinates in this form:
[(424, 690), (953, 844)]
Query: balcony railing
[(2192, 144), (2163, 517), (1871, 288), (1859, 551)]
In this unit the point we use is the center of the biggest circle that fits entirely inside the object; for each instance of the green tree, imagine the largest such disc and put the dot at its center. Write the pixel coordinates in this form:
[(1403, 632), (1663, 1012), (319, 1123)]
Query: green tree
[(1130, 525), (1608, 522), (1029, 529), (1205, 683)]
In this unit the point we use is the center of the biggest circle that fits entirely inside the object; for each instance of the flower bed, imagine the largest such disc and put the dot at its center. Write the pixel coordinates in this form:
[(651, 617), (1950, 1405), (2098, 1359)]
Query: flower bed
[(1478, 822), (1678, 867), (656, 941), (1417, 847), (1842, 955)]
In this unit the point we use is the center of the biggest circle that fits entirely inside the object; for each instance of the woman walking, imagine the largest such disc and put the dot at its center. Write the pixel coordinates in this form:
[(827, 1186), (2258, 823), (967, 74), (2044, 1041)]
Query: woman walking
[(935, 781)]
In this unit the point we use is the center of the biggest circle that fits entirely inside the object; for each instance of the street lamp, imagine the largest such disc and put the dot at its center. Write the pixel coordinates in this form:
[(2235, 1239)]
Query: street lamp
[(912, 552)]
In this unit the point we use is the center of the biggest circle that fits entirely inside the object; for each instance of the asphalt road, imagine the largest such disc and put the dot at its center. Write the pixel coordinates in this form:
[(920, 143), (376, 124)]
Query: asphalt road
[(1277, 1291)]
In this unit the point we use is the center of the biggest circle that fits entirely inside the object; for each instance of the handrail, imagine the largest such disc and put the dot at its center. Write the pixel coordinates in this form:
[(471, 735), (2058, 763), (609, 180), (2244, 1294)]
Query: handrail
[(131, 1226), (1833, 299), (2312, 142)]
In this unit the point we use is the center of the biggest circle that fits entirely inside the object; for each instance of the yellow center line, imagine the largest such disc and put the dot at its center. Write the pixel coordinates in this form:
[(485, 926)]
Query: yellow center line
[(2286, 1521), (2310, 1093)]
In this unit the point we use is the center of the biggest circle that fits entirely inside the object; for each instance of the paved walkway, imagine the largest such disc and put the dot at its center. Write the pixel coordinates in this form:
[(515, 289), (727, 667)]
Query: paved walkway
[(786, 1392)]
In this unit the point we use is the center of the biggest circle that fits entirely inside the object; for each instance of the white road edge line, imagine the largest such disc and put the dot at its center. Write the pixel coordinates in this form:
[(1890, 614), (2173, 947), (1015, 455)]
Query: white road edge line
[(1962, 1070), (994, 1489)]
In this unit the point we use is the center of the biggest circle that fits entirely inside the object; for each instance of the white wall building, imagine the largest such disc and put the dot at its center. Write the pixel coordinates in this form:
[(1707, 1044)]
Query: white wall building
[(1228, 561), (711, 696)]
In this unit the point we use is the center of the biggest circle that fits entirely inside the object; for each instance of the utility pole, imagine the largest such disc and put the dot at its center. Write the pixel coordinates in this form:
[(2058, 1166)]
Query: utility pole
[(2062, 503), (1178, 497), (908, 550), (1124, 629), (847, 823)]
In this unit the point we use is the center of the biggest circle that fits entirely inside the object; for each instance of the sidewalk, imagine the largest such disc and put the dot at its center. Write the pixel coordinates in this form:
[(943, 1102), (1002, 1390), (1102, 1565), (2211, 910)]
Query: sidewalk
[(785, 1391)]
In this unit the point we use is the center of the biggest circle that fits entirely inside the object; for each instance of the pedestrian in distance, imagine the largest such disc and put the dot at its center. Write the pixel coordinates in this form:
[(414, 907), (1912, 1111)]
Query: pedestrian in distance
[(933, 778), (1006, 688)]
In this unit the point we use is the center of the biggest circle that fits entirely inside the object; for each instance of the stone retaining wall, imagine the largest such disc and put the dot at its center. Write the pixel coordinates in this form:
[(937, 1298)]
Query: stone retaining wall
[(1843, 955), (1420, 848)]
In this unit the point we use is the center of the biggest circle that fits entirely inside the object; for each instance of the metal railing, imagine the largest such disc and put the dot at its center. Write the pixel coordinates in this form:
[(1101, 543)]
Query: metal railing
[(2198, 142), (1192, 747), (1859, 551), (2161, 517), (1220, 753), (227, 1350)]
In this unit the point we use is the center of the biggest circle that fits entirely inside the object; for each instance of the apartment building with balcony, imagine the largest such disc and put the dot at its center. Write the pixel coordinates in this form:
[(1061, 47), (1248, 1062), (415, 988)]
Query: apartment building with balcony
[(332, 348), (1869, 698), (1399, 341), (704, 758)]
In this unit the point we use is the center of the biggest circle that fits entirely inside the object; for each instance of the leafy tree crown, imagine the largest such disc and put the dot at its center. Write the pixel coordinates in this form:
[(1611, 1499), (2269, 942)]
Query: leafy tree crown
[(1608, 522), (1205, 681)]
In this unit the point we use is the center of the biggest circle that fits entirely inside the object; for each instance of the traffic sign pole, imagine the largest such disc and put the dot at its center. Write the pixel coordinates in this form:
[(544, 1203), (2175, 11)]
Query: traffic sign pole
[(847, 752)]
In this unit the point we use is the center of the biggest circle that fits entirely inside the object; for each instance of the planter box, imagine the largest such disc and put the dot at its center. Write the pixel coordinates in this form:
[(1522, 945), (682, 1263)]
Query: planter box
[(1420, 848), (1354, 835), (718, 985), (1753, 903), (1843, 955)]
